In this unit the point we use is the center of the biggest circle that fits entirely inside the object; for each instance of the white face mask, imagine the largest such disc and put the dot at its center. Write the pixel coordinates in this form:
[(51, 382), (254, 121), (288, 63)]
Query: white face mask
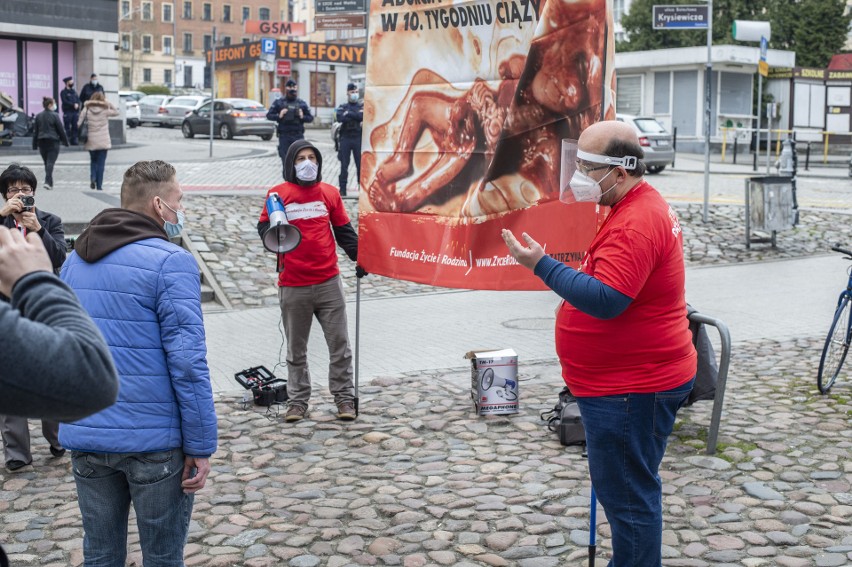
[(586, 189), (53, 107), (94, 83), (307, 170), (353, 97)]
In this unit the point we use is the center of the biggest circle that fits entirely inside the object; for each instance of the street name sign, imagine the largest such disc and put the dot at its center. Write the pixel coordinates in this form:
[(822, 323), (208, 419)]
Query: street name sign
[(340, 22), (337, 6), (680, 17)]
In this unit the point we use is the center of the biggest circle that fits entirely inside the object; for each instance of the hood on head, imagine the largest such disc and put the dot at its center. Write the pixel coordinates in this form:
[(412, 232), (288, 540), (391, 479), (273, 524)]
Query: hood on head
[(113, 228), (290, 162)]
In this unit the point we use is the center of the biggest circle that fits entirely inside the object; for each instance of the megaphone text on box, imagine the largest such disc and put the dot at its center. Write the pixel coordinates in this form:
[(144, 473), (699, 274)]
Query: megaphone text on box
[(281, 236)]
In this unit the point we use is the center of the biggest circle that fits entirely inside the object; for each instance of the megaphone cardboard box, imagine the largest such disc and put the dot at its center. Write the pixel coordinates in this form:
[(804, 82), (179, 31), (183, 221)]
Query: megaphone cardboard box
[(494, 381)]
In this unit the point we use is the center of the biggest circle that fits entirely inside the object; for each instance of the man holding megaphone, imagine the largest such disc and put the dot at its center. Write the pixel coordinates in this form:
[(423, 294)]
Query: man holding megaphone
[(301, 221)]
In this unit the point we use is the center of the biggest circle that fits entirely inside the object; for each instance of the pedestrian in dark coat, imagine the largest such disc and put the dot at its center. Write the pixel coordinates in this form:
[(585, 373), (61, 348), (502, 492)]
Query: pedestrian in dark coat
[(16, 183), (48, 132), (291, 113), (90, 88), (70, 109), (351, 117)]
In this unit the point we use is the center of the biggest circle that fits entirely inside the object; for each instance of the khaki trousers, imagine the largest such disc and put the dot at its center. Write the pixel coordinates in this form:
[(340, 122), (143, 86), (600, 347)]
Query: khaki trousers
[(299, 305)]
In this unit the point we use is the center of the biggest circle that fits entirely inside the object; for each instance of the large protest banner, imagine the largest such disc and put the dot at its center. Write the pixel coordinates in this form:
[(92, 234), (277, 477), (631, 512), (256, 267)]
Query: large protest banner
[(465, 108)]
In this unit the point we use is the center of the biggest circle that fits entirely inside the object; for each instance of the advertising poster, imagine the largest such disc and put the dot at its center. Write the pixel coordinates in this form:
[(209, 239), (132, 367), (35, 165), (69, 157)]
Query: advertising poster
[(466, 104)]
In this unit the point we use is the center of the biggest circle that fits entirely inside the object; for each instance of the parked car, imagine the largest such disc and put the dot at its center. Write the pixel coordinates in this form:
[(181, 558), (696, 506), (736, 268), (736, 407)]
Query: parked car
[(131, 114), (178, 107), (655, 140), (231, 117), (135, 95), (152, 108)]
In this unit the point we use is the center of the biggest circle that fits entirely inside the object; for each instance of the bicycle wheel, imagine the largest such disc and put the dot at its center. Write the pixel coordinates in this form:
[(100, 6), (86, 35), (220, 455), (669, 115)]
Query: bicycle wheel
[(836, 346)]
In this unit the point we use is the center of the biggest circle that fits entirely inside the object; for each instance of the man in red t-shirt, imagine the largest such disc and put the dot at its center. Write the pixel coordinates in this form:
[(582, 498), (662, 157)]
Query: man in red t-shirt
[(309, 280), (622, 335)]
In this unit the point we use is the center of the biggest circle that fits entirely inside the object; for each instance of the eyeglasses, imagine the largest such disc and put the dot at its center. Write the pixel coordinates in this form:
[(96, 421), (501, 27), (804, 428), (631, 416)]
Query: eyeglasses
[(585, 169), (12, 191)]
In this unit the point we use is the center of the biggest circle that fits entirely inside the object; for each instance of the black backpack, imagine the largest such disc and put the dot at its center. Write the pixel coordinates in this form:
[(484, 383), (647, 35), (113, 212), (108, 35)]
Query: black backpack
[(565, 419)]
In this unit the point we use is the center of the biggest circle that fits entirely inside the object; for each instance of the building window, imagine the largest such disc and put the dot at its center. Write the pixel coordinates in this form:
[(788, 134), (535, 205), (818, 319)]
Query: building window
[(125, 9), (125, 77), (187, 43), (226, 13), (628, 98), (146, 75), (263, 14), (146, 43), (167, 45), (167, 76), (147, 11), (208, 42), (167, 12), (246, 13), (187, 10), (207, 11), (125, 42), (617, 11), (246, 39), (226, 40)]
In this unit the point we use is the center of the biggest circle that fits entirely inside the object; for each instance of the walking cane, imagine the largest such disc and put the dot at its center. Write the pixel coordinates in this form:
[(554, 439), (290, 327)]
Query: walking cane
[(592, 526), (357, 335)]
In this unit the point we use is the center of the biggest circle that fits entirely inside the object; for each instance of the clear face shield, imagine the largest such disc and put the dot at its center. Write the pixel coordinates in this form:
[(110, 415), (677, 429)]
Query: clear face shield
[(575, 183)]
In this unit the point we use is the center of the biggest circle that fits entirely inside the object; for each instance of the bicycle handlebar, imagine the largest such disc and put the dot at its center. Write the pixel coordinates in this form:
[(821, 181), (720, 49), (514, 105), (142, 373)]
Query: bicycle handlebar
[(841, 250)]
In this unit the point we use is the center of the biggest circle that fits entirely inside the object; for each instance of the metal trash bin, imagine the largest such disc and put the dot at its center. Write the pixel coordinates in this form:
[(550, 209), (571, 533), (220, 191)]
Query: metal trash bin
[(769, 207)]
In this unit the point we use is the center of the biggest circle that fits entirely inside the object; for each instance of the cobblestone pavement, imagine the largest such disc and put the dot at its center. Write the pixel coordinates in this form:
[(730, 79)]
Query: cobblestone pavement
[(419, 480)]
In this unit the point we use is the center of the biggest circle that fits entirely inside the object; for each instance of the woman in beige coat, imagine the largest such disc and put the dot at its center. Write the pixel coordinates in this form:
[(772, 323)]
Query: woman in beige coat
[(97, 111)]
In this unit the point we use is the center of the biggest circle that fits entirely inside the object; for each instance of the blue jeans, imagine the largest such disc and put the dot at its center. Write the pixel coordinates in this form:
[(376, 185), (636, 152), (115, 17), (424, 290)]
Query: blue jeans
[(626, 438), (106, 485), (97, 164)]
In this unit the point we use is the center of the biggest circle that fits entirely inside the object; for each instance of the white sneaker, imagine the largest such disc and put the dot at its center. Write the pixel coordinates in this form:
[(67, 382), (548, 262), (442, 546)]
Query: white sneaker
[(47, 186)]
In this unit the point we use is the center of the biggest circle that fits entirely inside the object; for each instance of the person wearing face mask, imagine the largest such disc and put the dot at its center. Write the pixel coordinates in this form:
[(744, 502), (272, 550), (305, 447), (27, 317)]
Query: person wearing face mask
[(309, 279), (48, 132), (152, 448), (90, 88), (70, 109), (291, 113), (622, 334), (351, 116), (97, 111)]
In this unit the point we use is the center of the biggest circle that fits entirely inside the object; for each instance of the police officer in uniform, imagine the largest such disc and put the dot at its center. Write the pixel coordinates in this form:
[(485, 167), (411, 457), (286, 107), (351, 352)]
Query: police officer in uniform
[(351, 116), (90, 88), (70, 109), (291, 113)]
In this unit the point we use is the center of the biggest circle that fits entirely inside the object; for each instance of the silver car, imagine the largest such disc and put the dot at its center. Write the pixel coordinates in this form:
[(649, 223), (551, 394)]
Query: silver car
[(152, 108), (179, 107), (231, 117), (655, 140)]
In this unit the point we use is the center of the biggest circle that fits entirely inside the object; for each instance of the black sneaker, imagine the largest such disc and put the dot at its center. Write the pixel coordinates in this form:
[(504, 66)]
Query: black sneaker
[(57, 451), (91, 185), (15, 465)]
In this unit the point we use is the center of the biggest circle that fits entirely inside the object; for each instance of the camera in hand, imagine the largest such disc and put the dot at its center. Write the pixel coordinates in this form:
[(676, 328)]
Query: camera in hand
[(29, 202)]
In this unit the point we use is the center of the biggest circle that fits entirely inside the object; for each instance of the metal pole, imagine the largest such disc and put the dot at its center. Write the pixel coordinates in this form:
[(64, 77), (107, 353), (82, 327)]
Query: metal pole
[(735, 146), (357, 338), (707, 110), (212, 86), (674, 145), (592, 528), (759, 110), (768, 140)]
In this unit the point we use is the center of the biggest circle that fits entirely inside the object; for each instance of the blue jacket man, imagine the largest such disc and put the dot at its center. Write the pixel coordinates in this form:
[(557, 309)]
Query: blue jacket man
[(351, 117), (152, 447), (70, 109), (291, 113)]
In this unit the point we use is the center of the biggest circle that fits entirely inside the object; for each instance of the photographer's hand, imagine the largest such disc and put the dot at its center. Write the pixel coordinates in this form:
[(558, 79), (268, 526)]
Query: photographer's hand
[(13, 205), (30, 221), (20, 256)]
